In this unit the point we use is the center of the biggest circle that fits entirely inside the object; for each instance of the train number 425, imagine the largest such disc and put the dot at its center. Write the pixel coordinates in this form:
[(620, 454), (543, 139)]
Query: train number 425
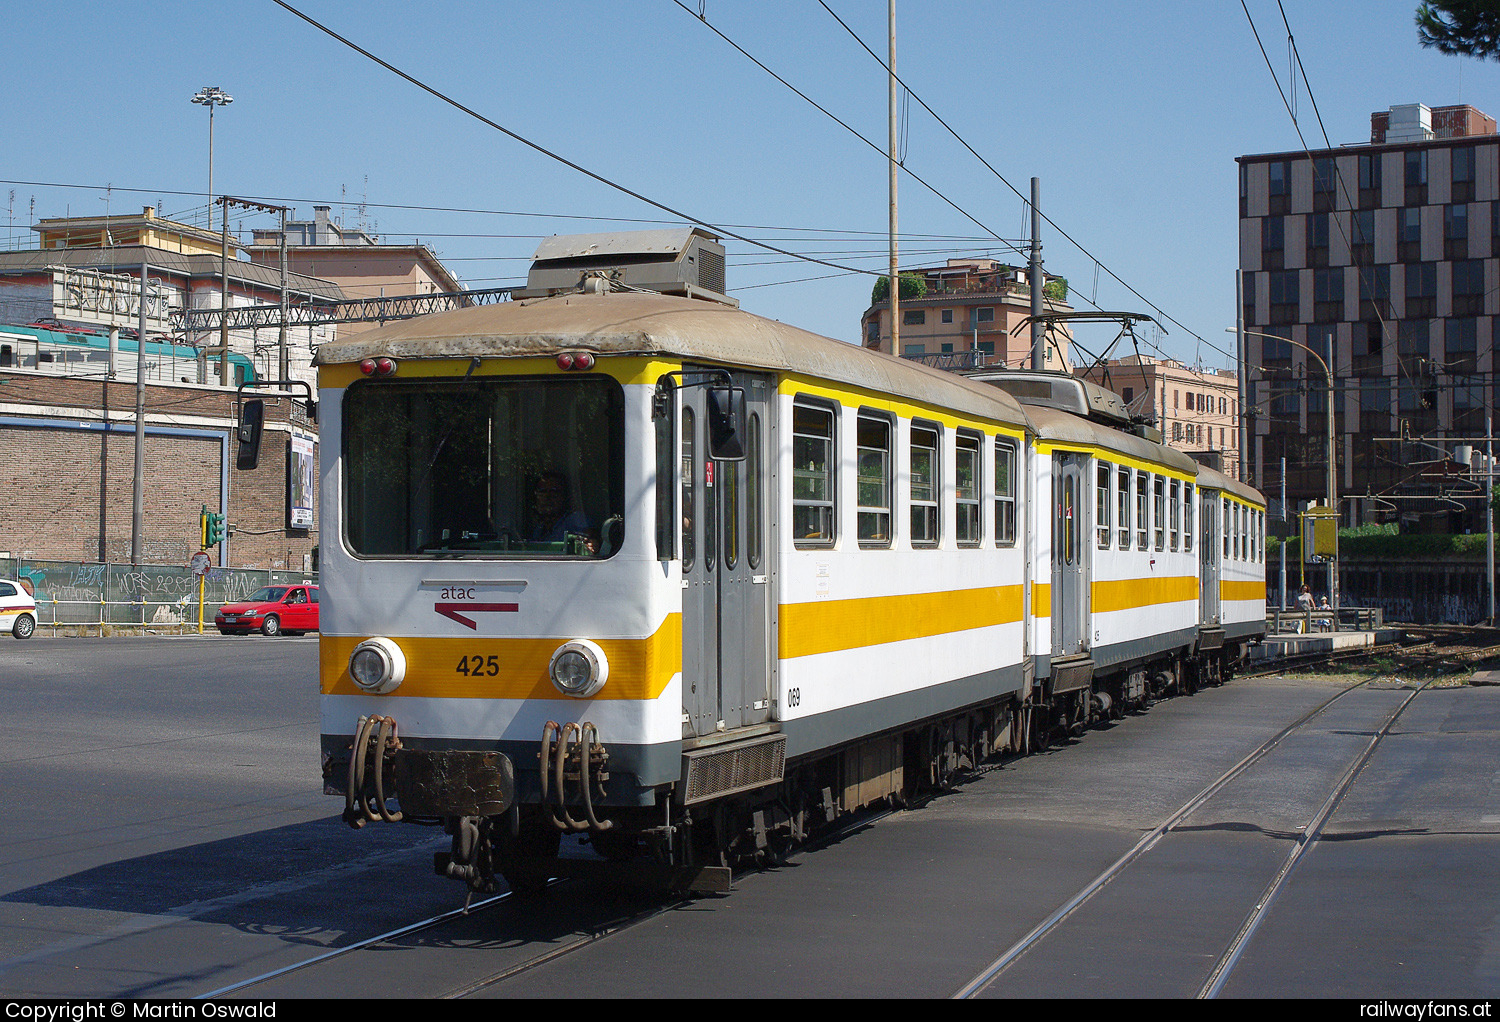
[(480, 666)]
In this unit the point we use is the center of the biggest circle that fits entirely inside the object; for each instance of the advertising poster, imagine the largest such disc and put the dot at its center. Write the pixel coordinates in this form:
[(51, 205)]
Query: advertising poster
[(299, 483)]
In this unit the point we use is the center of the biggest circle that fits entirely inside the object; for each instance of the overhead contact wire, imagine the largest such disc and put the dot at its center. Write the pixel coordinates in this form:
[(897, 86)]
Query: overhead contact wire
[(556, 156)]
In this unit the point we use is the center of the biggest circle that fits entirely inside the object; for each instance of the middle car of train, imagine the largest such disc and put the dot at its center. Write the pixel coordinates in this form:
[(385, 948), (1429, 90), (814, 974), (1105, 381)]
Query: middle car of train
[(689, 582)]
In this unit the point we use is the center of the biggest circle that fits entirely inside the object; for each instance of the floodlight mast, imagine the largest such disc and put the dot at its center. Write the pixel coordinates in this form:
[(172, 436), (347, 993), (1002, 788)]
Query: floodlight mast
[(211, 96)]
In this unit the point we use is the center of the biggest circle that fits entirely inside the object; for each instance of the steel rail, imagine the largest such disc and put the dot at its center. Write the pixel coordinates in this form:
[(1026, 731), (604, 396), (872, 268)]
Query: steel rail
[(1309, 837), (992, 972), (859, 821), (359, 945)]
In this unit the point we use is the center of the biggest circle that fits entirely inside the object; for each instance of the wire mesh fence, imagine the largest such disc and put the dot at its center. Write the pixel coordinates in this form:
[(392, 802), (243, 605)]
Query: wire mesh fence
[(90, 598)]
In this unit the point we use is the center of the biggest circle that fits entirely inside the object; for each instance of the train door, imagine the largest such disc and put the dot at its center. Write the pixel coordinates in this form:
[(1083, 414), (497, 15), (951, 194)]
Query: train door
[(726, 565), (1209, 562), (1070, 595)]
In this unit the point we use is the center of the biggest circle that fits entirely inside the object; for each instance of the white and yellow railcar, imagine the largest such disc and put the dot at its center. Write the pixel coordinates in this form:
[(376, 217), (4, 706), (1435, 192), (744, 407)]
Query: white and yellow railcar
[(649, 568), (1124, 566), (1126, 552), (1234, 566)]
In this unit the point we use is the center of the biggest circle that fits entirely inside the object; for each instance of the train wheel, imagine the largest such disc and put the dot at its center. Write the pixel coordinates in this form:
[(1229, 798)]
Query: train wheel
[(522, 859), (616, 845), (1018, 731), (1039, 734)]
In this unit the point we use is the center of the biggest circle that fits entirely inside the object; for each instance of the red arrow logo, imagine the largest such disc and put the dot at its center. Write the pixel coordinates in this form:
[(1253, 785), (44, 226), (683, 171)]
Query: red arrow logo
[(451, 610)]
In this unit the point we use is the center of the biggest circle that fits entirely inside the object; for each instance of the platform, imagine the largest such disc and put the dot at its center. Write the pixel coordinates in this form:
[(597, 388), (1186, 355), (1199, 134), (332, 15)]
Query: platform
[(1276, 646)]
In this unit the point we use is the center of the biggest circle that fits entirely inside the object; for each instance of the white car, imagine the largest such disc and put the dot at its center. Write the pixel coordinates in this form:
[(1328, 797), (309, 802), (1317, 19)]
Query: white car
[(17, 609)]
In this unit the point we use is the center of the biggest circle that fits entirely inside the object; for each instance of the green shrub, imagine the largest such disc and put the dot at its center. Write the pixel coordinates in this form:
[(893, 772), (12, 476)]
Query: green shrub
[(912, 286), (1384, 542)]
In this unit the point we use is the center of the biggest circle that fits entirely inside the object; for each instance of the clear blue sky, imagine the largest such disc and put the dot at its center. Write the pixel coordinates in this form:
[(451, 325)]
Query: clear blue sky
[(1130, 114)]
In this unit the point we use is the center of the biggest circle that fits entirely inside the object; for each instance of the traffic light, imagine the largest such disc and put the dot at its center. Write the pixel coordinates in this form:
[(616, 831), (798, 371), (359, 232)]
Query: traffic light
[(213, 528)]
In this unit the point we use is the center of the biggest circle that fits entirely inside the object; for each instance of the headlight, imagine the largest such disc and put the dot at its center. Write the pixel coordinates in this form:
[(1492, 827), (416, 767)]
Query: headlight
[(377, 666), (579, 668)]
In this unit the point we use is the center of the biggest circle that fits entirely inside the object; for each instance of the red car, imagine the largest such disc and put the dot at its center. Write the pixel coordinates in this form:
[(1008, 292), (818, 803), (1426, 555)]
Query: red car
[(272, 610)]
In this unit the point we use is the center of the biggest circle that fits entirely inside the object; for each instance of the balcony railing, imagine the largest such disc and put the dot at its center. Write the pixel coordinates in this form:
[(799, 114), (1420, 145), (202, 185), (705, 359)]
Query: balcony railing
[(950, 360)]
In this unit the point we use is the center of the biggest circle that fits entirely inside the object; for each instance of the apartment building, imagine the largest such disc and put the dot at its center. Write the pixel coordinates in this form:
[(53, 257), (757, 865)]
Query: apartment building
[(1382, 260)]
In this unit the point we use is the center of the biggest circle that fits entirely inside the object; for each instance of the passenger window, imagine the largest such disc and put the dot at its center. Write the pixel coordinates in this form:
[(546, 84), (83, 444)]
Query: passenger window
[(1104, 473), (1005, 492), (1142, 501), (1159, 512), (925, 486), (1122, 504), (812, 476), (1187, 516), (874, 481), (1176, 512), (966, 487), (1228, 530)]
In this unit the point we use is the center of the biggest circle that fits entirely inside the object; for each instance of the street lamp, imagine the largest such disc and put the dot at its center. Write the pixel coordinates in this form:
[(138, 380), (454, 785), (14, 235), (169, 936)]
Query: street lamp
[(1333, 576), (211, 96)]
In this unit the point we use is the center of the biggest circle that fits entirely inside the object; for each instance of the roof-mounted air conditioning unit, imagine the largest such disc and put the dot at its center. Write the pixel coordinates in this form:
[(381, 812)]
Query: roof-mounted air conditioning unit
[(685, 261)]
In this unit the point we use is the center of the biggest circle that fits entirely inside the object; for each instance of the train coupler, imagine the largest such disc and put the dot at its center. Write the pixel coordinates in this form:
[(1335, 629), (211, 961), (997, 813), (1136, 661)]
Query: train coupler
[(428, 784), (469, 858), (571, 754)]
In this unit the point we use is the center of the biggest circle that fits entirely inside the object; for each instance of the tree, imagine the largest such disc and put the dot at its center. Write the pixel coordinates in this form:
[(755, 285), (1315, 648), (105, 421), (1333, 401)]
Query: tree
[(912, 286), (1469, 28)]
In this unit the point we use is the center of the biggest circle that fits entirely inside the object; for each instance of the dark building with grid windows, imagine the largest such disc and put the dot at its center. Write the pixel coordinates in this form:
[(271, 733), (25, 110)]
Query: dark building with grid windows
[(1384, 259)]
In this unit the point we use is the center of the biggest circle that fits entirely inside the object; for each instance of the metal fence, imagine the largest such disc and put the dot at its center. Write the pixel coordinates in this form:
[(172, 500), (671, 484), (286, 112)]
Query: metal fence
[(1281, 621), (83, 597)]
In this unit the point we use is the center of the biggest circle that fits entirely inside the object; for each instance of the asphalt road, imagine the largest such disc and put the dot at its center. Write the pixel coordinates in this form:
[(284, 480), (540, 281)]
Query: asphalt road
[(167, 835)]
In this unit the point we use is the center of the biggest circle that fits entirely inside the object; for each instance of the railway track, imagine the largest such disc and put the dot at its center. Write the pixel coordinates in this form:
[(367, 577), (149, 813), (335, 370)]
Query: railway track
[(1433, 657), (525, 961), (1218, 975)]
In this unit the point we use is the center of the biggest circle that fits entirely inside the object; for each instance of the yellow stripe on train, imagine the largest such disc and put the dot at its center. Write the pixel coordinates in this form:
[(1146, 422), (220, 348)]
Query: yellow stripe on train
[(1133, 593), (1255, 590), (501, 668), (835, 625)]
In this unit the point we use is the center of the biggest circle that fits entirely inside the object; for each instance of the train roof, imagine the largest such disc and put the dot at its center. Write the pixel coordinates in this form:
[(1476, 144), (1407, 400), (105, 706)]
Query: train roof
[(1216, 480), (1057, 425), (664, 325)]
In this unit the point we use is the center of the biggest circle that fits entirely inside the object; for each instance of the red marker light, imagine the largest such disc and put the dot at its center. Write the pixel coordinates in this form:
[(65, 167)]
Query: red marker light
[(565, 360), (385, 366), (367, 366), (575, 360)]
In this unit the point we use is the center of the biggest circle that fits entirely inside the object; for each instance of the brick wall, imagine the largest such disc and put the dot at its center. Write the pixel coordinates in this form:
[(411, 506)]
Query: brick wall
[(52, 446)]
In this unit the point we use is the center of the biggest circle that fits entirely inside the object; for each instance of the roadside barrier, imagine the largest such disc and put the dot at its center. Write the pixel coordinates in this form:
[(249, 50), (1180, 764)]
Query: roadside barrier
[(90, 598)]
